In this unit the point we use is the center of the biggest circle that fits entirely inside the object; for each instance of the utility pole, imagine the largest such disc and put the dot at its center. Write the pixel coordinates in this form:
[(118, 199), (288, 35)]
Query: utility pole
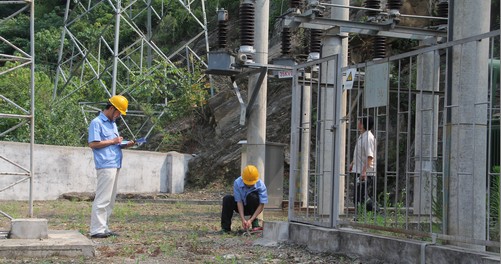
[(256, 130), (305, 140), (467, 125), (426, 131), (333, 43)]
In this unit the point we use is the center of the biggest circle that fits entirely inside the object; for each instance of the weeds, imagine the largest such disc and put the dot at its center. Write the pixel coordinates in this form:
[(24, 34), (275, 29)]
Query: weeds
[(167, 247), (383, 215), (126, 210), (158, 233)]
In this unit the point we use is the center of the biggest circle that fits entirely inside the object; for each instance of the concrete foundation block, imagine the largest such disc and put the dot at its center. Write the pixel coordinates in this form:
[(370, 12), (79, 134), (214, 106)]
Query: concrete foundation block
[(372, 248), (177, 167), (60, 243), (30, 228), (276, 231)]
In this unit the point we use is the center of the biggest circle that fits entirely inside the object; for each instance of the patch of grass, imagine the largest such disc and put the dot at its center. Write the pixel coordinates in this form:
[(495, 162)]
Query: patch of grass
[(126, 210), (15, 209), (167, 247), (153, 232)]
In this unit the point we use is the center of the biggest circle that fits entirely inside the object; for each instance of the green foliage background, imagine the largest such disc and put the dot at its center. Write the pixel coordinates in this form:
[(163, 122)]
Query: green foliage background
[(53, 125), (62, 122)]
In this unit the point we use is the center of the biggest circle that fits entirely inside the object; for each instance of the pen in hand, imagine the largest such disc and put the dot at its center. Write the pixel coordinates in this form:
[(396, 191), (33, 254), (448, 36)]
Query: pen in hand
[(118, 139)]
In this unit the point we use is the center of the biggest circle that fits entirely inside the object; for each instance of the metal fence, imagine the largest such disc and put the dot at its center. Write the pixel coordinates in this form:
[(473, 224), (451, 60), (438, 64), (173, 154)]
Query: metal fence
[(436, 153)]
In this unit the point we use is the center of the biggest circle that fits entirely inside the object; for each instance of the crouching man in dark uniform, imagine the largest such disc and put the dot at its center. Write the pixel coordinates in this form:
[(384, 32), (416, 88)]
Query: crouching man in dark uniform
[(248, 199)]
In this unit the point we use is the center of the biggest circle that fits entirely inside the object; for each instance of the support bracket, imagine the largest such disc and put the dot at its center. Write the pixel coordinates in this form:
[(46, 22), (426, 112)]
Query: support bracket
[(246, 109)]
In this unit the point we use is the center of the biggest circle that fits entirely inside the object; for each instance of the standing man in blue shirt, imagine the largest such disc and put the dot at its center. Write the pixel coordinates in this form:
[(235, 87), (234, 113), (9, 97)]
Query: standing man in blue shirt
[(248, 199), (107, 148)]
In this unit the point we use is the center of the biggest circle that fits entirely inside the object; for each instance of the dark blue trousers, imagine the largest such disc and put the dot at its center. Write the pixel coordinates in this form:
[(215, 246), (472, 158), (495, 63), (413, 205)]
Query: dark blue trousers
[(230, 206)]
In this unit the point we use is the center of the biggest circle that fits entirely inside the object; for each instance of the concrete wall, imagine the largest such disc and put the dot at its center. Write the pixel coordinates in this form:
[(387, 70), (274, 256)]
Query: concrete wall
[(61, 170), (177, 168), (380, 249)]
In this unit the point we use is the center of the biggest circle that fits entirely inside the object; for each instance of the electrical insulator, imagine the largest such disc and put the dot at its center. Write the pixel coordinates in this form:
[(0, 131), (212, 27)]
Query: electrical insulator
[(443, 9), (374, 4), (246, 32), (350, 50), (379, 47), (393, 7), (286, 41), (222, 28), (295, 3), (247, 24), (394, 4), (316, 38)]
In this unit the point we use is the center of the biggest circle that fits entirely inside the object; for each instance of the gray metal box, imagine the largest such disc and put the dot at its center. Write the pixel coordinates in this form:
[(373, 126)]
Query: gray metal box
[(221, 63), (273, 173)]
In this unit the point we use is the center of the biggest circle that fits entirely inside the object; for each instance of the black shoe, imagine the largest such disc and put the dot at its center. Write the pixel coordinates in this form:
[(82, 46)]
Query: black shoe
[(100, 235), (113, 234)]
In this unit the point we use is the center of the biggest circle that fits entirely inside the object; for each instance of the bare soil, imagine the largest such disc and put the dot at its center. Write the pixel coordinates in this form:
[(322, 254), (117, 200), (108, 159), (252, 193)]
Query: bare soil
[(159, 230)]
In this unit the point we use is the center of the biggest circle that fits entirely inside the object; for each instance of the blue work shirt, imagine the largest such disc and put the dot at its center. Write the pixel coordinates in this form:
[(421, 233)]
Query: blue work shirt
[(101, 128), (240, 191)]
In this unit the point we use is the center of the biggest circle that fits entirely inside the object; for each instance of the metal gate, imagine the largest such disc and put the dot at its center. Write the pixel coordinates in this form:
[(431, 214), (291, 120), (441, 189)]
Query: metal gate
[(436, 161), (313, 121)]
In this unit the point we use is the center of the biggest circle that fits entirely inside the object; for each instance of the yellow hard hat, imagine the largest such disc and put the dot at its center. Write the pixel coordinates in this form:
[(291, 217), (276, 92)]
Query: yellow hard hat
[(250, 175), (120, 103)]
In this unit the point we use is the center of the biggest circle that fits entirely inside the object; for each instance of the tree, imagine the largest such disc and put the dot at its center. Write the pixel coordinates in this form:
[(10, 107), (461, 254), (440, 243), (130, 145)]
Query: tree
[(61, 125)]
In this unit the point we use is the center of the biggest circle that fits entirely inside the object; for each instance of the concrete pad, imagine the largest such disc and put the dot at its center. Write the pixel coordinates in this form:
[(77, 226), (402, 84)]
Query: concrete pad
[(29, 228), (59, 243), (276, 231)]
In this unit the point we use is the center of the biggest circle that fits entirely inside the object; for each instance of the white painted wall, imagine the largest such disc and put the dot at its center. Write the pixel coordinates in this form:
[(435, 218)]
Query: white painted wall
[(61, 170)]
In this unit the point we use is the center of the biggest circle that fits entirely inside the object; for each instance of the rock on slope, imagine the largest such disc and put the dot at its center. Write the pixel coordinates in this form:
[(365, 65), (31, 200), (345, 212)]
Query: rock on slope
[(218, 161)]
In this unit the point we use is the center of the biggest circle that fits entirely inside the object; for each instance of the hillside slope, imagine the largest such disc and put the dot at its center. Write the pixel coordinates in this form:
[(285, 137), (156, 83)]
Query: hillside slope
[(218, 158)]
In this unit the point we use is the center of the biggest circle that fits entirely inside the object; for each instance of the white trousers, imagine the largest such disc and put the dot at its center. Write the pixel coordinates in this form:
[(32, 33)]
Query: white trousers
[(106, 191)]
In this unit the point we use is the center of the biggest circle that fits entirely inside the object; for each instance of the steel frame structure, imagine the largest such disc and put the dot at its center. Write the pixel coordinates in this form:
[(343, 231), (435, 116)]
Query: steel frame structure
[(107, 63), (83, 67), (23, 114)]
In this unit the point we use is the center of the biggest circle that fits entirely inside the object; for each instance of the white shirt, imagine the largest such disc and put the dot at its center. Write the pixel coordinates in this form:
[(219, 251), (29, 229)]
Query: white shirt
[(365, 147)]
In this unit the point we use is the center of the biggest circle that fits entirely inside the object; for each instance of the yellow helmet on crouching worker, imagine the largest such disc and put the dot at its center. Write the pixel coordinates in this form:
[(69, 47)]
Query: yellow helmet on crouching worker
[(250, 175), (120, 103)]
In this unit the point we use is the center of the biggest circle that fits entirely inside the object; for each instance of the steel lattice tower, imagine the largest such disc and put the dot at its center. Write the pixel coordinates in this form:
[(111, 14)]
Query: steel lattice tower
[(104, 62), (18, 113)]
